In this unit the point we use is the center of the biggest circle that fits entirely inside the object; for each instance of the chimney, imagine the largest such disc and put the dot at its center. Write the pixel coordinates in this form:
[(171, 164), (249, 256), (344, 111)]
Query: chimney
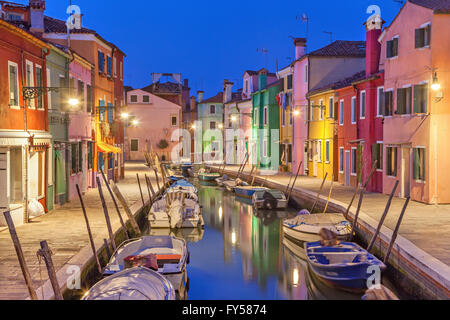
[(300, 47), (373, 47), (262, 79), (37, 8), (200, 95), (227, 91), (186, 83), (193, 104)]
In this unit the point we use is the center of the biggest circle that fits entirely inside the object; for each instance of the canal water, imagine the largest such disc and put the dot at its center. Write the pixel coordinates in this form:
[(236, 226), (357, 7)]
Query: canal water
[(242, 254)]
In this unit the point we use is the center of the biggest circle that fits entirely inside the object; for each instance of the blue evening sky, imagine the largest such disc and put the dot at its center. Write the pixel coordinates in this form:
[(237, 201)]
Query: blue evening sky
[(209, 40)]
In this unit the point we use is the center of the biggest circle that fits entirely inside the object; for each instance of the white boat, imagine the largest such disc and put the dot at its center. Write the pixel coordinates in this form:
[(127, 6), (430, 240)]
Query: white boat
[(139, 283), (231, 184), (171, 255), (306, 227), (269, 200)]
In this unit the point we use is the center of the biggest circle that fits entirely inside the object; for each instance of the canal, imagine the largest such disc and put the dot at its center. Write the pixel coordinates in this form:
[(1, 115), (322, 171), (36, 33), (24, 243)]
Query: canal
[(242, 254)]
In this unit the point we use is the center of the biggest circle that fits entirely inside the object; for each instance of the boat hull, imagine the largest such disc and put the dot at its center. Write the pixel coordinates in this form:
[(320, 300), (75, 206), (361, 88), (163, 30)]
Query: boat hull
[(246, 192), (281, 204), (209, 177), (308, 236)]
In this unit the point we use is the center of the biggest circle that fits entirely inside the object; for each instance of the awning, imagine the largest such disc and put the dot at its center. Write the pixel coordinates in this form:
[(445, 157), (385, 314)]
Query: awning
[(107, 148)]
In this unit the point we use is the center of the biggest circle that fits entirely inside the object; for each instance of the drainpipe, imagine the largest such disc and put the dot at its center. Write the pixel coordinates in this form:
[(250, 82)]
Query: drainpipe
[(25, 162)]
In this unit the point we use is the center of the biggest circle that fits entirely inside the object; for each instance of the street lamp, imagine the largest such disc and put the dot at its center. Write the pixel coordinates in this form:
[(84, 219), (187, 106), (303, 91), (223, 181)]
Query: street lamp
[(73, 102), (435, 85), (296, 113), (135, 122), (124, 115)]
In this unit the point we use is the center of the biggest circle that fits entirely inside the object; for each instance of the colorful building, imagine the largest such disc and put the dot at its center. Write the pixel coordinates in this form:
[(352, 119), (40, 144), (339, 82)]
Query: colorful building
[(285, 102), (266, 124), (414, 56), (24, 129)]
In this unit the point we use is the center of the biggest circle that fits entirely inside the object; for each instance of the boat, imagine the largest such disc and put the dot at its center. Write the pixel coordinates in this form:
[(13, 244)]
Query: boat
[(221, 180), (269, 199), (138, 283), (169, 212), (184, 186), (380, 292), (247, 191), (230, 185), (171, 255), (176, 177), (208, 176), (306, 227), (344, 266)]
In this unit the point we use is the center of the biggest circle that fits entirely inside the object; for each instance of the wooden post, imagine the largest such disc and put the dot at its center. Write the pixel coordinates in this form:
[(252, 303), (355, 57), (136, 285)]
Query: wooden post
[(295, 181), (289, 183), (115, 204), (397, 228), (374, 167), (388, 205), (355, 221), (91, 238), (329, 195), (46, 254), (256, 171), (243, 168), (108, 252), (251, 174), (224, 166), (151, 192), (156, 174), (105, 211), (20, 256), (318, 194), (140, 189), (124, 204), (242, 164), (264, 182)]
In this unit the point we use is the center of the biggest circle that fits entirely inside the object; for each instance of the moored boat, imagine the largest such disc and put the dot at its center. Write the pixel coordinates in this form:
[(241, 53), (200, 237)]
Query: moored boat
[(247, 191), (306, 227), (345, 266), (269, 200), (205, 176), (170, 253), (138, 283)]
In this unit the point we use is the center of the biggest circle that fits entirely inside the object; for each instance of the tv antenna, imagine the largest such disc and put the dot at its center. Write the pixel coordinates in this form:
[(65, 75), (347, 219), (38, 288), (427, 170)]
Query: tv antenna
[(265, 52), (331, 35), (399, 2), (304, 18)]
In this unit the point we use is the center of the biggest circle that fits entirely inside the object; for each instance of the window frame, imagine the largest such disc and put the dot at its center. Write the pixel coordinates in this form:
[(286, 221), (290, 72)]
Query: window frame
[(212, 107), (353, 113), (131, 145), (327, 151), (380, 102), (353, 164), (330, 107), (30, 82), (420, 178), (393, 157), (341, 112), (341, 159), (362, 104), (176, 120), (266, 116), (17, 91)]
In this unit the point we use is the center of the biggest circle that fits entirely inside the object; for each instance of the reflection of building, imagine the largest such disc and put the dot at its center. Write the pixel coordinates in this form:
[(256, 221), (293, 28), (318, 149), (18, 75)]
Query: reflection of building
[(245, 240)]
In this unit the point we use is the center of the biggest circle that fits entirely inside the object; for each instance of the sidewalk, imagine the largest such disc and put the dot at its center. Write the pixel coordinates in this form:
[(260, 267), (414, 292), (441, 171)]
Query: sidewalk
[(65, 231)]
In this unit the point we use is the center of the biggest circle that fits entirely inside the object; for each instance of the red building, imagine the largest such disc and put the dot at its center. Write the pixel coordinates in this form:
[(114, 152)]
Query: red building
[(24, 136)]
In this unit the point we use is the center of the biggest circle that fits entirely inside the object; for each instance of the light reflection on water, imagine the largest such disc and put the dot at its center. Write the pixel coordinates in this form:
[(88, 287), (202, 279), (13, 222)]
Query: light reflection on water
[(243, 255)]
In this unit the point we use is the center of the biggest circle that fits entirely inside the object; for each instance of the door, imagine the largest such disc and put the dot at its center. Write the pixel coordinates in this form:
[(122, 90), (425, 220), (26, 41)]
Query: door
[(305, 159), (347, 168), (3, 180), (405, 171), (315, 158)]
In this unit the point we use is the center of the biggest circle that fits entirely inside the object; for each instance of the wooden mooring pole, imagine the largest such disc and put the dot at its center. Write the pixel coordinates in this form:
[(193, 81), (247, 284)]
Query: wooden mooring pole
[(91, 238), (318, 193), (47, 255), (124, 204), (140, 189), (397, 228), (256, 171), (386, 210), (329, 195), (151, 192), (20, 256), (105, 211), (108, 252), (122, 223), (295, 181)]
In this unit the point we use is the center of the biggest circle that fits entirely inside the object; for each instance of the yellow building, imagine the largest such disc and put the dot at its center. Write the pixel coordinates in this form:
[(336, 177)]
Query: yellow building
[(285, 101), (322, 133)]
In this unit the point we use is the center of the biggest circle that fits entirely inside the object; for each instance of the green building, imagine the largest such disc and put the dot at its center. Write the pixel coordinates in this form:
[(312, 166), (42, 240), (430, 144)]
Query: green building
[(266, 123)]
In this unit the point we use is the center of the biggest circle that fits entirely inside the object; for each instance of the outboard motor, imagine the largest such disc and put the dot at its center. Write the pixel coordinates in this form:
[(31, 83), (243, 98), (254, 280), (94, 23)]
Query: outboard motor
[(270, 202)]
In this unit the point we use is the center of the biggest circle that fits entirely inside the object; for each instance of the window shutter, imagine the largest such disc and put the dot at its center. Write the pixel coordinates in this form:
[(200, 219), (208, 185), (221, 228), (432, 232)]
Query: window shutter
[(389, 49), (395, 47), (427, 37), (420, 98), (401, 107), (416, 164), (419, 38), (387, 110)]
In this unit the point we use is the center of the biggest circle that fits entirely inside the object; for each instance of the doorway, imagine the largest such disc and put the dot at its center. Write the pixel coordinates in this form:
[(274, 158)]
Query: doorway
[(347, 168)]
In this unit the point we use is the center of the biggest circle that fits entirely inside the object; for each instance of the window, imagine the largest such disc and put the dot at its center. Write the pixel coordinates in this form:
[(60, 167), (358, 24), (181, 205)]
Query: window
[(377, 155), (282, 85), (134, 98), (265, 116), (39, 83), (90, 154), (110, 113), (311, 111), (283, 117), (146, 99), (422, 37), (80, 156), (306, 73), (341, 160), (310, 153), (15, 175), (330, 108), (81, 93), (362, 105), (255, 116), (380, 101), (30, 81), (121, 70), (353, 110), (421, 98), (74, 158), (246, 86), (101, 62), (327, 151), (41, 174), (391, 161), (289, 147), (341, 112), (102, 110), (354, 161), (212, 125), (265, 148), (388, 103), (392, 48), (174, 121), (319, 150), (321, 110), (419, 163), (134, 145), (289, 81), (404, 101), (115, 67), (89, 98), (212, 109), (109, 65), (291, 116), (13, 84)]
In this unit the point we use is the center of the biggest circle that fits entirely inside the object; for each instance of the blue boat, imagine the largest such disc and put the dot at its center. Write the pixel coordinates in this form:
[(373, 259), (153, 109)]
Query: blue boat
[(345, 266), (175, 178), (185, 185), (247, 191)]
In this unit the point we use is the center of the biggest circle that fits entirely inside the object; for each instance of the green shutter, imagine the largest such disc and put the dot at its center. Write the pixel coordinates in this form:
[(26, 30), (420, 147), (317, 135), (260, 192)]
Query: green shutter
[(416, 163)]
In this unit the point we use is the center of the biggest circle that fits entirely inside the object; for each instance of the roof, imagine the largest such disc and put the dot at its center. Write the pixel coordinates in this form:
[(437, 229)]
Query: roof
[(163, 88), (255, 73), (218, 98), (361, 75), (438, 6), (342, 48)]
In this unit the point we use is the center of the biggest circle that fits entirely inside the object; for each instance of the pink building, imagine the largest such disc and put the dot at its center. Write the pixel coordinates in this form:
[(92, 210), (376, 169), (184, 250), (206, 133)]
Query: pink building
[(152, 122), (415, 57), (80, 127)]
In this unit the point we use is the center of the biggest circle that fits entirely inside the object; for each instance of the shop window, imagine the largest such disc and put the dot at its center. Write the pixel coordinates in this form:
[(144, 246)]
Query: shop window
[(391, 161), (419, 163)]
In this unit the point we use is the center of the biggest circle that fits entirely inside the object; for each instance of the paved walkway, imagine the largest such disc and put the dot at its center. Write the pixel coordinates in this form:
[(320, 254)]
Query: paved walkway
[(426, 226), (65, 231)]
